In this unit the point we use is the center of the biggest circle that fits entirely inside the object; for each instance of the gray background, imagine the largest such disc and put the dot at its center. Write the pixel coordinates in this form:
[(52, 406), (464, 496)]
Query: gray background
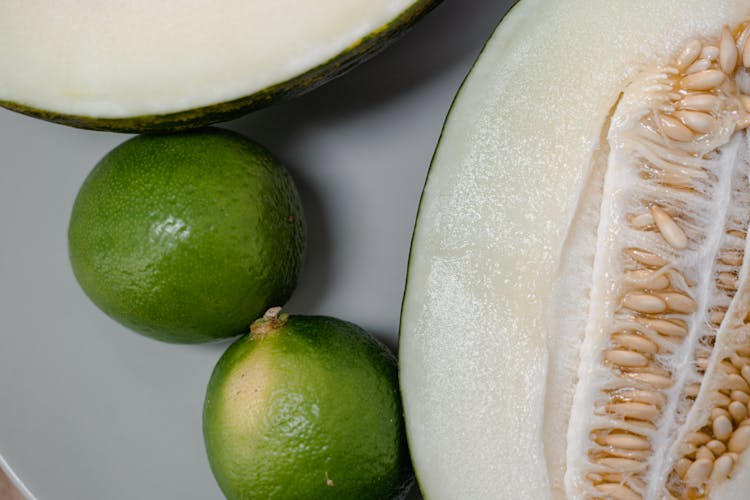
[(89, 410)]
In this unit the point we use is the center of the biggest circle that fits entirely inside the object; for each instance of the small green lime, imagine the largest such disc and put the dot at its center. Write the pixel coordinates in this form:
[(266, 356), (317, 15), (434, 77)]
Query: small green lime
[(306, 407), (187, 237)]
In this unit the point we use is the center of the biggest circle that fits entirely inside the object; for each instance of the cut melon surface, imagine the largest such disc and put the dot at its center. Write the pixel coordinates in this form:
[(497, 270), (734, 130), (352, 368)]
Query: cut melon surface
[(139, 66), (576, 317)]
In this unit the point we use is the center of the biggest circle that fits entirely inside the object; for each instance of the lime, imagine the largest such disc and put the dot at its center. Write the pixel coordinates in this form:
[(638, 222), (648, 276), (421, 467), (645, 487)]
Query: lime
[(306, 407), (187, 237)]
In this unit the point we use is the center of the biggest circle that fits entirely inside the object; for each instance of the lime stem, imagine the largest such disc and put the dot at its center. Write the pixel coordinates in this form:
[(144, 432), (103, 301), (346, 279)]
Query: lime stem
[(272, 320)]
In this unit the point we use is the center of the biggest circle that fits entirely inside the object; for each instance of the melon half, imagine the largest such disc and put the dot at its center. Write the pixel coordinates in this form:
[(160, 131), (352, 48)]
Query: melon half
[(171, 64), (576, 322)]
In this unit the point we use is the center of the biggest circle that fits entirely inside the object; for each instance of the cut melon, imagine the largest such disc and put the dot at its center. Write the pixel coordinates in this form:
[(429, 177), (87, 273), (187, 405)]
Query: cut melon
[(167, 65), (576, 322)]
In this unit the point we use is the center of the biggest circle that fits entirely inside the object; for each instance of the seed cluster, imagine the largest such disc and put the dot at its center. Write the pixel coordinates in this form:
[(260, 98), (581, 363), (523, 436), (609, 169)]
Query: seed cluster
[(670, 308), (705, 456), (710, 453)]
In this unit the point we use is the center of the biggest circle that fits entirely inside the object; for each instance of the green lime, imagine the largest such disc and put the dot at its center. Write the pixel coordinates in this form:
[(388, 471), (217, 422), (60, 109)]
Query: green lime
[(306, 407), (187, 237)]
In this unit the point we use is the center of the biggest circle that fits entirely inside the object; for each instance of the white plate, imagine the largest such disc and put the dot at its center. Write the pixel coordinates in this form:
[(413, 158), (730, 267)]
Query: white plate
[(90, 410)]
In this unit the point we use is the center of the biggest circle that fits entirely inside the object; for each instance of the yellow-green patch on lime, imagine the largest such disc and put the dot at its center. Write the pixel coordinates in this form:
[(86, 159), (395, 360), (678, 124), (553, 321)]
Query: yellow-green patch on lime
[(187, 237), (306, 407)]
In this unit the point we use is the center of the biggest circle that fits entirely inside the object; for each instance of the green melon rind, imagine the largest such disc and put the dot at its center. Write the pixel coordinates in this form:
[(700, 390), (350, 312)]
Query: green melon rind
[(357, 53)]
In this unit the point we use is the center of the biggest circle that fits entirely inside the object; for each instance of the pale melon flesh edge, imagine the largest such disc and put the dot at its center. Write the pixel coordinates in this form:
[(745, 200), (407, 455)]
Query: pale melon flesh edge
[(494, 327), (165, 66)]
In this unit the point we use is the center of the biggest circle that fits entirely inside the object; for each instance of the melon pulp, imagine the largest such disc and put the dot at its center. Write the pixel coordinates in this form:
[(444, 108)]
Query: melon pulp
[(143, 66), (575, 322)]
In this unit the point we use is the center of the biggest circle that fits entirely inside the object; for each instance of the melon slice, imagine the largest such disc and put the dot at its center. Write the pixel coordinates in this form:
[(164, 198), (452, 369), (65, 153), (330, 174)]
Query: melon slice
[(576, 322), (166, 65)]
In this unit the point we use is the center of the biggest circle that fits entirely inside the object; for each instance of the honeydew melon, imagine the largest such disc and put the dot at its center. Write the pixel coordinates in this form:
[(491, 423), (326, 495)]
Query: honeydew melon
[(575, 320), (148, 66)]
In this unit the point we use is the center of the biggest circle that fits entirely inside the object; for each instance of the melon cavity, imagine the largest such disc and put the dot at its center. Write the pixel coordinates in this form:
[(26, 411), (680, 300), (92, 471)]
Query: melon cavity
[(576, 321), (674, 205)]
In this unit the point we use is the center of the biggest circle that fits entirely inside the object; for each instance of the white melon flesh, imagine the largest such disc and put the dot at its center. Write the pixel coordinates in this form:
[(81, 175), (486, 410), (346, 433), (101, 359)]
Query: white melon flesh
[(521, 292), (139, 58)]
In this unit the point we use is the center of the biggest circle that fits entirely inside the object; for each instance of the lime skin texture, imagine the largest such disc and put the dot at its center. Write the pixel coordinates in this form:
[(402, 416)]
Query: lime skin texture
[(187, 237), (308, 410)]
